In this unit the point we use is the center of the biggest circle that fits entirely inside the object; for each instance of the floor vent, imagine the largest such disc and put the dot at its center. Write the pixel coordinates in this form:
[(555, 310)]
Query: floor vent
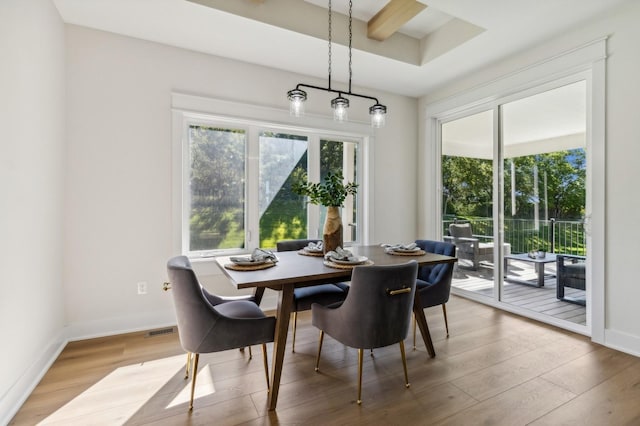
[(160, 332)]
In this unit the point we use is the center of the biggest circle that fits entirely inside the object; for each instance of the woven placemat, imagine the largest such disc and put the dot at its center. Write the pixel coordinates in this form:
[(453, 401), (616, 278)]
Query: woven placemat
[(331, 264), (412, 253), (235, 267), (310, 253)]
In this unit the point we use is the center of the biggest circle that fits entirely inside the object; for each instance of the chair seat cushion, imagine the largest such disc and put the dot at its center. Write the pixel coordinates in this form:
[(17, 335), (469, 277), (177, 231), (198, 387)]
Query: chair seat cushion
[(483, 248), (240, 309), (576, 270), (323, 294)]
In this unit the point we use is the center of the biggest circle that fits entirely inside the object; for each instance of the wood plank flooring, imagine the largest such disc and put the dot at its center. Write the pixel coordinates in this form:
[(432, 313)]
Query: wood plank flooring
[(494, 369)]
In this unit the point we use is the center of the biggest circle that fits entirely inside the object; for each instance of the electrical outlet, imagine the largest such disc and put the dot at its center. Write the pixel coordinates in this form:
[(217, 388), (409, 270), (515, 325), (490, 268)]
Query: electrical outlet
[(142, 287)]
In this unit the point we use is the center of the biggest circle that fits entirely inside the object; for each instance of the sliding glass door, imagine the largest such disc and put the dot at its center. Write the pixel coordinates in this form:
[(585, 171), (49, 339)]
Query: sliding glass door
[(515, 174)]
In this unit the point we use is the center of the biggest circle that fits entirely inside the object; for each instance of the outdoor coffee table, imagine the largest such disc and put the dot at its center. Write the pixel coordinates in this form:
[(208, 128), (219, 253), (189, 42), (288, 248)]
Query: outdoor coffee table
[(538, 262)]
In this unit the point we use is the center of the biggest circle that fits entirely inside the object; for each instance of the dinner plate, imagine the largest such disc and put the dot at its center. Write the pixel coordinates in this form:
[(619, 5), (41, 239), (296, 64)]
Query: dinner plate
[(355, 260), (248, 261), (404, 250)]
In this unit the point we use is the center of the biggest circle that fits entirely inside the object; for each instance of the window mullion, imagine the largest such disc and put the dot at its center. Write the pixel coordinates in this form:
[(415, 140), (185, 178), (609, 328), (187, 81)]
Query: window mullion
[(313, 167), (252, 235)]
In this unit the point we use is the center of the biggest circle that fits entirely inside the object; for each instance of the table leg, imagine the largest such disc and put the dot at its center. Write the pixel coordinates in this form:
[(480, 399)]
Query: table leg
[(540, 268), (422, 324), (285, 304)]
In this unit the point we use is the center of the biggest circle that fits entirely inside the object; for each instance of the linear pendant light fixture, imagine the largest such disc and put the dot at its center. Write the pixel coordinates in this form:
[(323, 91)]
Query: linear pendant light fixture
[(340, 104)]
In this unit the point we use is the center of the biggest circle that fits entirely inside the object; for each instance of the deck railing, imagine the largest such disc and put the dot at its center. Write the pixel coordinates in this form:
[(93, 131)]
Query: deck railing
[(553, 236)]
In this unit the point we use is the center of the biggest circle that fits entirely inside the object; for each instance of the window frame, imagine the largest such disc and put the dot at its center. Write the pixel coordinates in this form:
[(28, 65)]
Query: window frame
[(191, 110)]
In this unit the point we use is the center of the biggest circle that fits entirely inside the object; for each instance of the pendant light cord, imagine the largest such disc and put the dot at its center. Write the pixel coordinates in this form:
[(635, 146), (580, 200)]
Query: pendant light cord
[(329, 44), (350, 38)]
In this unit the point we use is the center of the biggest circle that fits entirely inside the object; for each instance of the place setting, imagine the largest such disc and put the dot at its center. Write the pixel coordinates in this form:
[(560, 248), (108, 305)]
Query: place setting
[(259, 259), (410, 249), (315, 249), (343, 259)]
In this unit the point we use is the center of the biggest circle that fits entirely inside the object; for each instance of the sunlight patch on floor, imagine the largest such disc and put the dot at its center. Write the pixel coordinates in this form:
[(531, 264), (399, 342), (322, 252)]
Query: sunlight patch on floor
[(119, 395)]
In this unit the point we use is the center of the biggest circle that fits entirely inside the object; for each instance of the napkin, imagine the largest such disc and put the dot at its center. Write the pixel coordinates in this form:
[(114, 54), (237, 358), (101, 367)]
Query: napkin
[(314, 246), (340, 254), (259, 256), (392, 247)]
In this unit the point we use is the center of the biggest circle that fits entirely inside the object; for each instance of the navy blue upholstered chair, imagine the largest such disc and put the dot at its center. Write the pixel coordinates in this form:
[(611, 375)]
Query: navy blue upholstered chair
[(304, 297), (376, 312), (434, 282), (208, 323)]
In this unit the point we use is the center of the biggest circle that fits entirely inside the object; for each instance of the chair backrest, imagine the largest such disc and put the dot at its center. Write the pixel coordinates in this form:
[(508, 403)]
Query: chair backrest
[(439, 276), (435, 273), (371, 315), (194, 314), (292, 245), (460, 230)]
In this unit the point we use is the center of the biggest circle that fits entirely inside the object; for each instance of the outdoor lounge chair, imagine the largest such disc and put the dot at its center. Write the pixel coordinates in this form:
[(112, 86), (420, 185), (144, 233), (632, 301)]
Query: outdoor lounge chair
[(469, 245), (570, 273)]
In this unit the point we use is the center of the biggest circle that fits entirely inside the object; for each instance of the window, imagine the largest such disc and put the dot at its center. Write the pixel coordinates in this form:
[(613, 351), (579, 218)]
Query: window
[(236, 183)]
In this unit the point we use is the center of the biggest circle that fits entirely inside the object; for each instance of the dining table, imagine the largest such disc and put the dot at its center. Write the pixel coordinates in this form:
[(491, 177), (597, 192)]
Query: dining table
[(295, 269)]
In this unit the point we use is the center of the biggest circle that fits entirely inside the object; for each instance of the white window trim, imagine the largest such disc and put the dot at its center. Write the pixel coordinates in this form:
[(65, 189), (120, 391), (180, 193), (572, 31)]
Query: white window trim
[(189, 108)]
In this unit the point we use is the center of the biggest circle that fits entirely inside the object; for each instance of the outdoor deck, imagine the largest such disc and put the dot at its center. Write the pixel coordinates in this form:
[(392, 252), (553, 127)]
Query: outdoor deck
[(538, 299)]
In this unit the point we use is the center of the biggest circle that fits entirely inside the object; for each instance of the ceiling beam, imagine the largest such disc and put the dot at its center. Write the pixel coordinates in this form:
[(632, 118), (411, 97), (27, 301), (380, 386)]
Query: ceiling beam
[(390, 18)]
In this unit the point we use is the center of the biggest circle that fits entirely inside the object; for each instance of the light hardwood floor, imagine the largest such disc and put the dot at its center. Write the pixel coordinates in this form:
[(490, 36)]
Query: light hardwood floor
[(495, 369)]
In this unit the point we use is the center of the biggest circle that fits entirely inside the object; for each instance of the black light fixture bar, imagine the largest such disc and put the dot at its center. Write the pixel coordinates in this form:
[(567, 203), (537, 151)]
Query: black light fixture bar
[(339, 92)]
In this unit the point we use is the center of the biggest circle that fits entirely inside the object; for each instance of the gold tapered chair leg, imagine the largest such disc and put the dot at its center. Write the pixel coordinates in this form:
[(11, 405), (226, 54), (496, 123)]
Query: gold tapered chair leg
[(414, 332), (186, 373), (446, 323), (250, 354), (319, 350), (295, 323), (266, 365), (360, 356), (404, 365), (194, 373)]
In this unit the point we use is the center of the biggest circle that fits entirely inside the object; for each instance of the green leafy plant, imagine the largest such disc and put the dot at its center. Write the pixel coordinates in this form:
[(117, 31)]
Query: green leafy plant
[(331, 192)]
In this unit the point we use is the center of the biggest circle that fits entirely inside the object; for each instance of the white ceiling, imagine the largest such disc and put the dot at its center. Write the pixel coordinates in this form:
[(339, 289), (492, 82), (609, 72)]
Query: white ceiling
[(510, 25)]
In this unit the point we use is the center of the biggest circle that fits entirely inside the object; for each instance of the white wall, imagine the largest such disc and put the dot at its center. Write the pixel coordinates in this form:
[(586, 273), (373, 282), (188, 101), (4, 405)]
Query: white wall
[(622, 293), (119, 199), (32, 152)]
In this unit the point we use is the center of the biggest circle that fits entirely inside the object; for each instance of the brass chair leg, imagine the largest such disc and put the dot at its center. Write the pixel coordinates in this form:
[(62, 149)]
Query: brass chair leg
[(319, 350), (446, 324), (414, 332), (194, 373), (266, 365), (186, 373), (360, 356), (404, 365), (293, 341)]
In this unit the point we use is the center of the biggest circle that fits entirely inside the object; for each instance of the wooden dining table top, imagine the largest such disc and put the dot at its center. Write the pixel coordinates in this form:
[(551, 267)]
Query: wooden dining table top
[(298, 269)]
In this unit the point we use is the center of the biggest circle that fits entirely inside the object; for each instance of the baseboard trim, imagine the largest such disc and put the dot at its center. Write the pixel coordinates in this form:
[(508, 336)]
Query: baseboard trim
[(622, 342), (18, 393)]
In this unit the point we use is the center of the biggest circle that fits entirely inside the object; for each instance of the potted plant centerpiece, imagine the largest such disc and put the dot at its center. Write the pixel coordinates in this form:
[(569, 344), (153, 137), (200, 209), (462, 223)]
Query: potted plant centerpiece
[(331, 193)]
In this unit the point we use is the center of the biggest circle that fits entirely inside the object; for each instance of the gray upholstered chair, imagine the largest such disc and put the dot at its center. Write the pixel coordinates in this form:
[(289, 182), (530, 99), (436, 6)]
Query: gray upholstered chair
[(434, 282), (570, 272), (207, 323), (376, 312), (304, 297), (469, 245)]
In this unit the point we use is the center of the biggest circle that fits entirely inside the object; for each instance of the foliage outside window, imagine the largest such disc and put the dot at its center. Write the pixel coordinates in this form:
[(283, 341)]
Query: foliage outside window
[(222, 174)]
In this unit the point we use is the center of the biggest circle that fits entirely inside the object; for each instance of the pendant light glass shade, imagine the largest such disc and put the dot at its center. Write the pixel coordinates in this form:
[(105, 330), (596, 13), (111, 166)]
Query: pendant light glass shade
[(378, 114), (340, 107), (296, 102)]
